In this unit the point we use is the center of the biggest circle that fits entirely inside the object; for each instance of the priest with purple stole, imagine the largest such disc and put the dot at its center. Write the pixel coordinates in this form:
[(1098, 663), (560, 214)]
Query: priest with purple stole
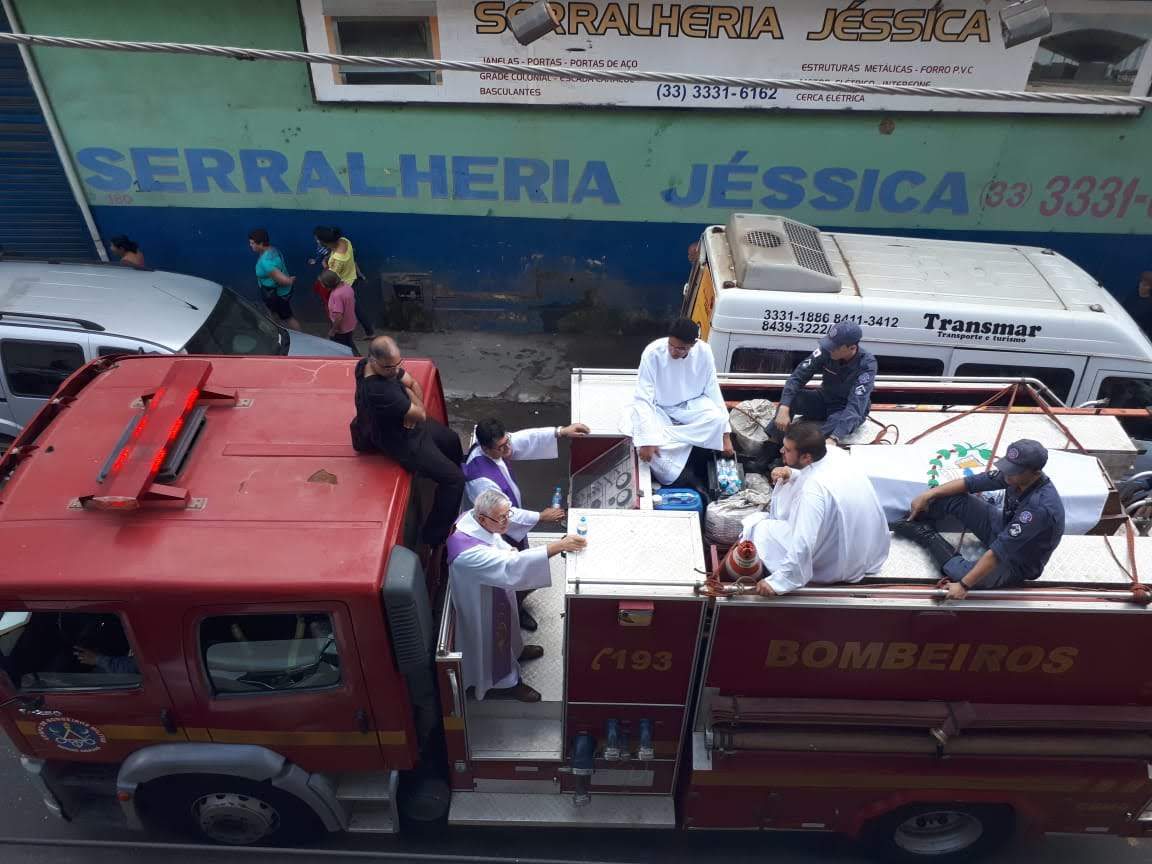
[(485, 573), (486, 467)]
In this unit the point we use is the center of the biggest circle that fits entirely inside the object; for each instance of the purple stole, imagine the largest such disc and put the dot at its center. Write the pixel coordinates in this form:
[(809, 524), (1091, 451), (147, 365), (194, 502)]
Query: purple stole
[(458, 543), (482, 466)]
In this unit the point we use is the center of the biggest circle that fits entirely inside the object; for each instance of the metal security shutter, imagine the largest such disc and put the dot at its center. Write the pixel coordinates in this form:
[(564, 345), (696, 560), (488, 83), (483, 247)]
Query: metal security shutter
[(39, 216)]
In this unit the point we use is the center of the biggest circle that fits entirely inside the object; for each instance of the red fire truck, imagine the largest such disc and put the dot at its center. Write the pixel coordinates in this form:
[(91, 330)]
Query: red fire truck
[(215, 614)]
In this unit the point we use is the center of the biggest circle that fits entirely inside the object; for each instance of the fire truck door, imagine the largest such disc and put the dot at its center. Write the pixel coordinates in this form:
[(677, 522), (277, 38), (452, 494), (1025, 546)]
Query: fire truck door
[(75, 687), (286, 677)]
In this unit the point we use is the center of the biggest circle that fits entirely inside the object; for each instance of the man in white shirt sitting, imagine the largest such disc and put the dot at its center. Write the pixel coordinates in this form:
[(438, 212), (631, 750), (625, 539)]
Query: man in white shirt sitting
[(677, 404), (825, 524)]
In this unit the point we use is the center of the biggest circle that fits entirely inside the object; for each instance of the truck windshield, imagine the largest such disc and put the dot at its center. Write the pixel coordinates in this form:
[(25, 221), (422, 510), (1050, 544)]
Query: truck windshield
[(236, 327)]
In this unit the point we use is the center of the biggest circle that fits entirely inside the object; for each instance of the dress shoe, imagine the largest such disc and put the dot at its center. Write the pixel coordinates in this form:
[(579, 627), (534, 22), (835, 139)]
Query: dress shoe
[(531, 652), (527, 622), (521, 693)]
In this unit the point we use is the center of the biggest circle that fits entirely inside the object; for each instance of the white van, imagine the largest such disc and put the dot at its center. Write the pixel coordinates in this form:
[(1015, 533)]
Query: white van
[(765, 288)]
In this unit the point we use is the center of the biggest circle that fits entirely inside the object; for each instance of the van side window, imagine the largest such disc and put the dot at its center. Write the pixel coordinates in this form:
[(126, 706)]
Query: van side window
[(37, 369), (1129, 393), (270, 653), (42, 651), (1059, 381), (766, 360), (890, 365)]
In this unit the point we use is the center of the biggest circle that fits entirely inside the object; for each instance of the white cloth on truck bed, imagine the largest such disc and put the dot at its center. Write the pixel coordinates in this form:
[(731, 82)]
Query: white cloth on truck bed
[(900, 472)]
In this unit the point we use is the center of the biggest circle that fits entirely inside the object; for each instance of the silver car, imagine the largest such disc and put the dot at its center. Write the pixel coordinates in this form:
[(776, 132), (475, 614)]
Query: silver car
[(55, 317)]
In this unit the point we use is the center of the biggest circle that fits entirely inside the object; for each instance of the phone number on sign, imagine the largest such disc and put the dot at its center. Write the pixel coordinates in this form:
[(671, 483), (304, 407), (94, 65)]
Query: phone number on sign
[(1064, 195), (816, 323), (713, 93)]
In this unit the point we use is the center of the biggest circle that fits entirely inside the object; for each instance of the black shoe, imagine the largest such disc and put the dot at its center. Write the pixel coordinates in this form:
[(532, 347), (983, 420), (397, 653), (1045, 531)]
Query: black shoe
[(527, 622), (926, 536)]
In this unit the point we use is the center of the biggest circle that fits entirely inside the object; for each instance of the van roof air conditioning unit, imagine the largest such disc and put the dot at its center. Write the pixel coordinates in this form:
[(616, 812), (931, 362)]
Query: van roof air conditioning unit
[(770, 253)]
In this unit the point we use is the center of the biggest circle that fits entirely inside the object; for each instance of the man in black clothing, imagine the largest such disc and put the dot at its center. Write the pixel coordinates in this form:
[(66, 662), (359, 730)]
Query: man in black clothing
[(390, 418)]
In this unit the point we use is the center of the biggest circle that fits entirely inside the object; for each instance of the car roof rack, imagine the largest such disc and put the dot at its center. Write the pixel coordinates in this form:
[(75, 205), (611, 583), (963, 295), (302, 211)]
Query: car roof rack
[(66, 319)]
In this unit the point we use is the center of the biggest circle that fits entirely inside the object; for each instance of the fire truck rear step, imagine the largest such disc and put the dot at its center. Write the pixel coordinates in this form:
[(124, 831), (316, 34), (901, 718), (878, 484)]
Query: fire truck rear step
[(515, 738), (540, 811)]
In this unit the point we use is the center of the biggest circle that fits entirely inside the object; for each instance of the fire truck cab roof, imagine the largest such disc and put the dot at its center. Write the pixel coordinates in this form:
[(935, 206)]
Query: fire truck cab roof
[(255, 497)]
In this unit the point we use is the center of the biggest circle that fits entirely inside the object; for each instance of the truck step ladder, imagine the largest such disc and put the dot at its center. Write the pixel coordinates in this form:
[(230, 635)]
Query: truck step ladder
[(370, 802)]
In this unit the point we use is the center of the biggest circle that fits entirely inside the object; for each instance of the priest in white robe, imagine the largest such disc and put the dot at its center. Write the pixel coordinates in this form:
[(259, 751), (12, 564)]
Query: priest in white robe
[(485, 573), (677, 404), (825, 524)]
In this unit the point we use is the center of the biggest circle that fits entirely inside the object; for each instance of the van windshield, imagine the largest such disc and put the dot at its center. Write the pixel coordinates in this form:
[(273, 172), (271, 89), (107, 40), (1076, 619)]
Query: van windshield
[(236, 327)]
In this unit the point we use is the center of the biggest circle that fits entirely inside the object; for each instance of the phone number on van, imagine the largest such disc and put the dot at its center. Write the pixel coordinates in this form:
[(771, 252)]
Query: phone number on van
[(816, 323)]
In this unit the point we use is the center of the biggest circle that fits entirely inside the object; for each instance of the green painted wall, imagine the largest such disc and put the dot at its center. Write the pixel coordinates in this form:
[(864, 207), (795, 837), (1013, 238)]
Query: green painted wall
[(121, 101)]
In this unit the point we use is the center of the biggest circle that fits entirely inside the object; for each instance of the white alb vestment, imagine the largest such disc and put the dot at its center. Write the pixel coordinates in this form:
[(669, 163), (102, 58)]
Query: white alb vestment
[(677, 405), (825, 525), (526, 444), (483, 576)]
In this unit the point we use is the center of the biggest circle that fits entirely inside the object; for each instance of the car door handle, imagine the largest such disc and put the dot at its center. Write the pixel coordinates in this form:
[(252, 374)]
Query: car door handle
[(166, 720), (362, 721)]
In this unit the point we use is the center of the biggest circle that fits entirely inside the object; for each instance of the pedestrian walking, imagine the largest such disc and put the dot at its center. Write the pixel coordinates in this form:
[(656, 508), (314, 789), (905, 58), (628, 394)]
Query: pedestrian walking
[(272, 277), (340, 258), (341, 309)]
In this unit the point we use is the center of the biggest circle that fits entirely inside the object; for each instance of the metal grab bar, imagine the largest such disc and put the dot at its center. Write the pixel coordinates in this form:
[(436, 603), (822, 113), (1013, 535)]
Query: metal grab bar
[(446, 637)]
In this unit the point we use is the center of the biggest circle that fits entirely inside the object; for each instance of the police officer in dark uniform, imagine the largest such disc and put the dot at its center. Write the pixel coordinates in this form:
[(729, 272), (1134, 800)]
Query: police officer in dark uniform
[(845, 394), (1019, 539)]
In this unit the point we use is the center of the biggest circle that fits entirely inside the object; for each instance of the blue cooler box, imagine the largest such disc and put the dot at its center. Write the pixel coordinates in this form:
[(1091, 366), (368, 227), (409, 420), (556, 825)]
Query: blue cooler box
[(678, 499)]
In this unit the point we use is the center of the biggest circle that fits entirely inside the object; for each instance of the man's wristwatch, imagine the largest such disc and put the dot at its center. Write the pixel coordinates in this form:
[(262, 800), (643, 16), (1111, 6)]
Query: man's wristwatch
[(964, 585)]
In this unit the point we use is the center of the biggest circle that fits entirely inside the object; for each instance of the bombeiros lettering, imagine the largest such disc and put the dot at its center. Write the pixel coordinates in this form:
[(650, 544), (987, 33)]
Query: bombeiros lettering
[(856, 24), (923, 657), (696, 21)]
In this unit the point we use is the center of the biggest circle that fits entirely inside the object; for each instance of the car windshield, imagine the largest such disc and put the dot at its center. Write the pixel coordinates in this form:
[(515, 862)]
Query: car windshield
[(236, 327)]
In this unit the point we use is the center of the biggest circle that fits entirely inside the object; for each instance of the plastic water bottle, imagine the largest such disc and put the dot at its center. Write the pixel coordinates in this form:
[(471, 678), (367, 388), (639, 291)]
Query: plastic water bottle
[(582, 527), (557, 499)]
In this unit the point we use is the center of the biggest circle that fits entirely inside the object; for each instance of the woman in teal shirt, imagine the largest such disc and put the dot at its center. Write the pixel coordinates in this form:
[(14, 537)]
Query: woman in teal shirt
[(272, 277)]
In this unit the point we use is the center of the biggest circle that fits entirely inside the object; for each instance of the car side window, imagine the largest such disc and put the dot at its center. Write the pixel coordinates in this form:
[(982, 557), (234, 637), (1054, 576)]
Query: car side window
[(766, 360), (890, 364), (275, 652), (1129, 393), (37, 369), (52, 651), (1059, 380)]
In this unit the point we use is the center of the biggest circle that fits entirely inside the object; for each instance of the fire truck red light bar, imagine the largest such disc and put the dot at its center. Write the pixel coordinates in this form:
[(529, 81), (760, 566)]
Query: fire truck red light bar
[(142, 456)]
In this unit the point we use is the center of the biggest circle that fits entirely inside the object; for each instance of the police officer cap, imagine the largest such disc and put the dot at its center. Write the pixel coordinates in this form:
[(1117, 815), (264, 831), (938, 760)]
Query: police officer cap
[(839, 335), (1023, 455)]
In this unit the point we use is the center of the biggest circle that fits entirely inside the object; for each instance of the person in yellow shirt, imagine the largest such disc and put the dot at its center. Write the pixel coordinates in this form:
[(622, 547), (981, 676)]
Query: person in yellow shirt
[(339, 257)]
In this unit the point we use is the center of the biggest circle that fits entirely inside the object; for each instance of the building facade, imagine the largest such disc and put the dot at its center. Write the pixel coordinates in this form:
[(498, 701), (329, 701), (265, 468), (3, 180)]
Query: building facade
[(541, 205)]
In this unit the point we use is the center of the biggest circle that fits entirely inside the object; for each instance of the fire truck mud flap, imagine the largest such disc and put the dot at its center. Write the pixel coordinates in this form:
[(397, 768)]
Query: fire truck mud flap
[(246, 761), (542, 811)]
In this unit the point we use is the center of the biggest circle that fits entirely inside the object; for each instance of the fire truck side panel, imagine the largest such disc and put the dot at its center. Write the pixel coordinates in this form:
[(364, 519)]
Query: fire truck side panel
[(974, 653), (613, 659), (843, 791)]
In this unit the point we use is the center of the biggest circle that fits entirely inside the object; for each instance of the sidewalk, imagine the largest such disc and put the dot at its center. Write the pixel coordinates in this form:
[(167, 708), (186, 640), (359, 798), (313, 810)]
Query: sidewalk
[(507, 367)]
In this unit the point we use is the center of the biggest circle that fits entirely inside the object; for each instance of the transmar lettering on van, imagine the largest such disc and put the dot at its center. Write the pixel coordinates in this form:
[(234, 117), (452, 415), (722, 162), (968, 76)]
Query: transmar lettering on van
[(984, 331)]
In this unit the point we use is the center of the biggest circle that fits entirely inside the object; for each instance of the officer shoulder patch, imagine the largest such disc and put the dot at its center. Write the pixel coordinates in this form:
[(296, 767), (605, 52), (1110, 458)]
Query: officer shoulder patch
[(1025, 516), (1015, 529)]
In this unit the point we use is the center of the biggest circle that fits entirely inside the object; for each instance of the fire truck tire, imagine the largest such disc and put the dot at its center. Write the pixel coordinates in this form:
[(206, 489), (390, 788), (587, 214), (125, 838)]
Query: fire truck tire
[(942, 833), (424, 801), (229, 811)]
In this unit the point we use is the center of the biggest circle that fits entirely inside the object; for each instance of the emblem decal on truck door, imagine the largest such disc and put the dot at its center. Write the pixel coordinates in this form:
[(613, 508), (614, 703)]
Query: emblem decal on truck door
[(72, 735)]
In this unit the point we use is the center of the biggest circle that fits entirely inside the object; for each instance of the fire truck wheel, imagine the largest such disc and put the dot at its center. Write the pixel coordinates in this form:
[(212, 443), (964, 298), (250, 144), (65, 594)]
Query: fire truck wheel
[(941, 833), (230, 811)]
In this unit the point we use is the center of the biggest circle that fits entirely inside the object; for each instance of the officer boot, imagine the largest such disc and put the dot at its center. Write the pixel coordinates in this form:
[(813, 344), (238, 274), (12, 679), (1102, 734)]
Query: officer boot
[(926, 536)]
